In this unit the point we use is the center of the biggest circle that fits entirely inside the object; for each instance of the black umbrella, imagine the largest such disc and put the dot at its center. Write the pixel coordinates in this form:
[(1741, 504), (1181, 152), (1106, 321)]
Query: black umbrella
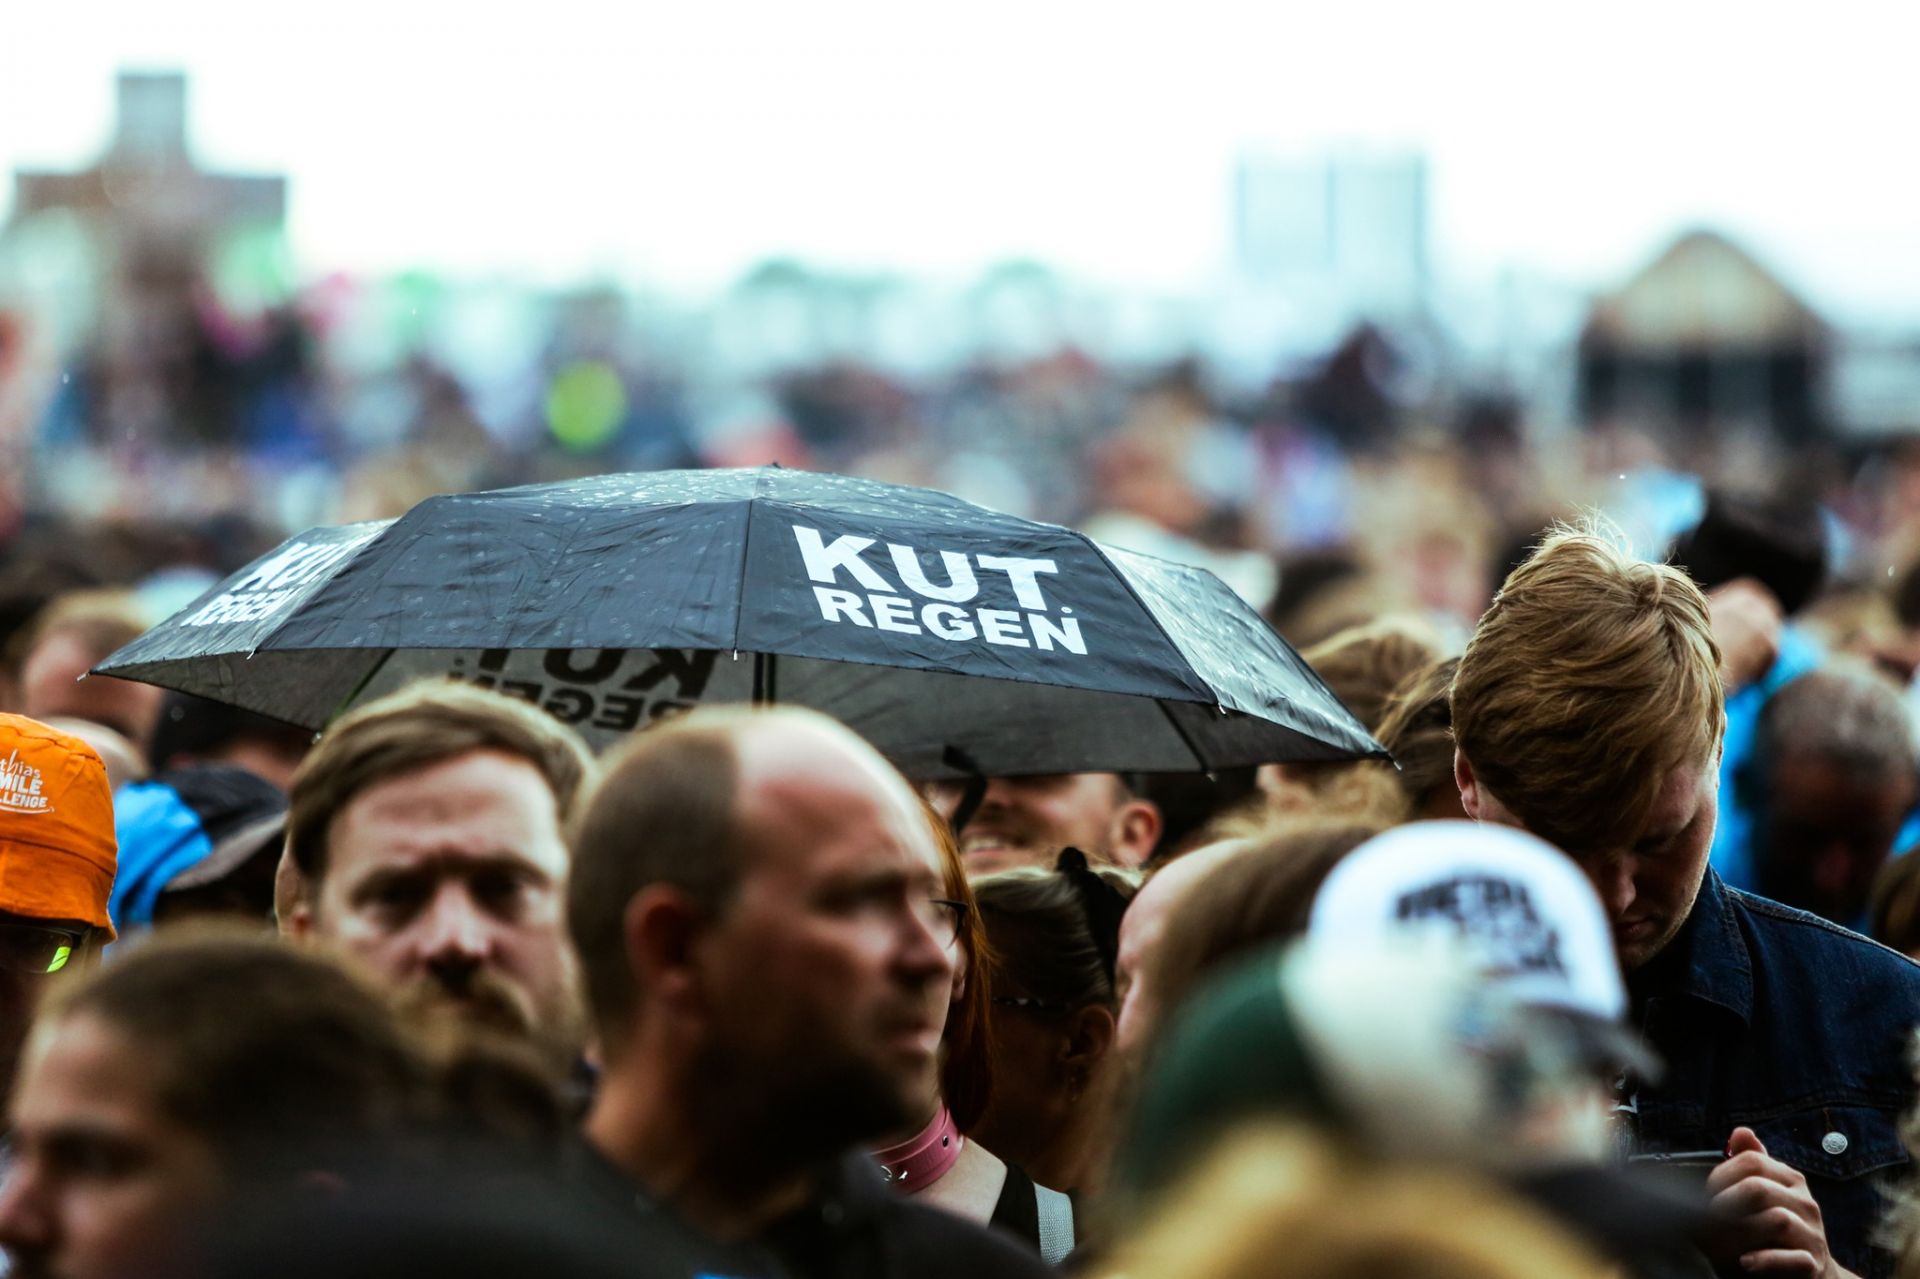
[(951, 636)]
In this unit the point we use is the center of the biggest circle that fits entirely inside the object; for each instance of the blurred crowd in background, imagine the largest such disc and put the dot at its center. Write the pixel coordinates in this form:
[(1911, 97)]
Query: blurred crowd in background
[(173, 399), (173, 403)]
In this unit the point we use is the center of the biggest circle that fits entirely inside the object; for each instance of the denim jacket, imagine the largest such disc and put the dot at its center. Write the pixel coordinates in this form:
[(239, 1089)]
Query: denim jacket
[(1777, 1020)]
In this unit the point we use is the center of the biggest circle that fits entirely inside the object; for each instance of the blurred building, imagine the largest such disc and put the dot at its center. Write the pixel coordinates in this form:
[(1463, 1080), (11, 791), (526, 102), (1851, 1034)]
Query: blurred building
[(1876, 385), (160, 208), (1705, 338), (159, 241)]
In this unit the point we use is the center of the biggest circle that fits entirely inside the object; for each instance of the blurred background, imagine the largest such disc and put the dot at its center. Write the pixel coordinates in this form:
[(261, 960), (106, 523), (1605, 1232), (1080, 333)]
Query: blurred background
[(1341, 301)]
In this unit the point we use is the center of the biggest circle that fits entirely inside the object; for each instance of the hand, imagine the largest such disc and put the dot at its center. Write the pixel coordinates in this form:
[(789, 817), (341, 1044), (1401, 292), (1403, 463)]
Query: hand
[(1746, 623), (1771, 1222)]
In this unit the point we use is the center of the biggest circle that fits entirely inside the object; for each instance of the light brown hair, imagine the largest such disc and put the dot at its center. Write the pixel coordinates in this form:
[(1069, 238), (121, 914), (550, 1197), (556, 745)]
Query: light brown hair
[(1260, 895), (419, 726), (1894, 908), (662, 811), (1045, 935), (1363, 665), (1417, 729), (1589, 678), (101, 619)]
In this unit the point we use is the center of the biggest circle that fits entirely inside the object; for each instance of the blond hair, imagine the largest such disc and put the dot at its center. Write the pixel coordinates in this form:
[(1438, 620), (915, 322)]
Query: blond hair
[(1417, 727), (1590, 677), (1363, 665), (1275, 1201)]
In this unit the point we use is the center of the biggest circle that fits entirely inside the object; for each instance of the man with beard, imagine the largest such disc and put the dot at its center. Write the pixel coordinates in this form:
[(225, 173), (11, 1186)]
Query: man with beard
[(1026, 821), (756, 901), (426, 829), (1588, 710)]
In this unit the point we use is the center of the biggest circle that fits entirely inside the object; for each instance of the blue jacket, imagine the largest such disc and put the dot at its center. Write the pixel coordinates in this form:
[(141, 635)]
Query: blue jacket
[(1733, 837), (1775, 1019)]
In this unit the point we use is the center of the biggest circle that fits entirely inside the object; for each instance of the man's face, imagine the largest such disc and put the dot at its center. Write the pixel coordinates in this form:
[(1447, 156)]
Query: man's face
[(104, 1185), (826, 979), (1026, 821), (1822, 831), (50, 686), (1648, 886), (449, 883)]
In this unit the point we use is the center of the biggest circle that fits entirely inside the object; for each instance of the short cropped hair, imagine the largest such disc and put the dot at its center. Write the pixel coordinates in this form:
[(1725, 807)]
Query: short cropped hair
[(422, 725), (661, 812), (1847, 713), (276, 1056), (1589, 678)]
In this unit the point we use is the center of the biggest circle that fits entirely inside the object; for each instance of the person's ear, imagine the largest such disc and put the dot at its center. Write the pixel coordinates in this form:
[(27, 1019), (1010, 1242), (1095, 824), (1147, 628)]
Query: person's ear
[(289, 892), (1136, 830), (1089, 1037), (659, 932), (1470, 797)]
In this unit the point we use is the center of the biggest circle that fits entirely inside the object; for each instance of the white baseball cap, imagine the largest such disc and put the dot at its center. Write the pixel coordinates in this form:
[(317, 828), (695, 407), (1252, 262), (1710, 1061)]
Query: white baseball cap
[(1522, 911)]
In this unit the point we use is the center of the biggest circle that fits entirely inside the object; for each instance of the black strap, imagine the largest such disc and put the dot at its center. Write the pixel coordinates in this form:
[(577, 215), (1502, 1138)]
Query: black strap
[(976, 791), (1103, 903)]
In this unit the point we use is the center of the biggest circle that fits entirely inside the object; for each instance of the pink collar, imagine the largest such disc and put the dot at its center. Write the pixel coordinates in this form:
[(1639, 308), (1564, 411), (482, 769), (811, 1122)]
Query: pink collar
[(924, 1158)]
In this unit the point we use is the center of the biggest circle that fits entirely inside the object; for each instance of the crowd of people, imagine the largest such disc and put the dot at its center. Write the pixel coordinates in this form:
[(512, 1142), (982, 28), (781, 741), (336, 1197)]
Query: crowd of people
[(1607, 973)]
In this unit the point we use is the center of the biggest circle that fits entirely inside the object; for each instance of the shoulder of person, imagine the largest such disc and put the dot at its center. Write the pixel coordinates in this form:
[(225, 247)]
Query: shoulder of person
[(931, 1243), (1773, 920), (1831, 990)]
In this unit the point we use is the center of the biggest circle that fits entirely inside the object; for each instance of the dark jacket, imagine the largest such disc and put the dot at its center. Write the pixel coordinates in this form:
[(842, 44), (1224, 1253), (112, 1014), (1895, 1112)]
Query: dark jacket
[(1777, 1020), (854, 1228)]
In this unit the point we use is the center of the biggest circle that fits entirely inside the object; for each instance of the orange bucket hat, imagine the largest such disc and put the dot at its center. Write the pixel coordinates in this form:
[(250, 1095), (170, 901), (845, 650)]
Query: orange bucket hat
[(57, 848)]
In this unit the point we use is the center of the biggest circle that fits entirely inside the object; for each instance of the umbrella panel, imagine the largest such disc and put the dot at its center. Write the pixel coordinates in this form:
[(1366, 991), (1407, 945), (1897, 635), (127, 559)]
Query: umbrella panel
[(1006, 726)]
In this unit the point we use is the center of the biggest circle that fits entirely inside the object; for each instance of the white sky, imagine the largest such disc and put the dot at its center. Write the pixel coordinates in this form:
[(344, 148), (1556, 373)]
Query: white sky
[(684, 141)]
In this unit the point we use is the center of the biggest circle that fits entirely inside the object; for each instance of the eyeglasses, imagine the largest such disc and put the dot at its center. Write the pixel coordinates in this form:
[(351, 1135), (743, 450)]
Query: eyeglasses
[(945, 920), (38, 948)]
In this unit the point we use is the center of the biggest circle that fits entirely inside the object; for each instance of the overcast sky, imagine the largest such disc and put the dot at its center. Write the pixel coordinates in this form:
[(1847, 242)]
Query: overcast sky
[(685, 141)]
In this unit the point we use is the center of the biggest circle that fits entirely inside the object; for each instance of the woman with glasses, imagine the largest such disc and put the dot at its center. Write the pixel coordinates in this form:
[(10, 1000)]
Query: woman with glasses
[(1054, 935), (940, 1162)]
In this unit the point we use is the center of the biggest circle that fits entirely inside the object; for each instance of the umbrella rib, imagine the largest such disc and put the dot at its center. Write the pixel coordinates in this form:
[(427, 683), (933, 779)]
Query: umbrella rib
[(361, 687), (1153, 617), (1185, 740), (746, 559)]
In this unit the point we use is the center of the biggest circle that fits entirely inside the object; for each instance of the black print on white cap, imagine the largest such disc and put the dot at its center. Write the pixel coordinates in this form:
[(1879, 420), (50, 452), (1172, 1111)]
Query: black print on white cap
[(1496, 913)]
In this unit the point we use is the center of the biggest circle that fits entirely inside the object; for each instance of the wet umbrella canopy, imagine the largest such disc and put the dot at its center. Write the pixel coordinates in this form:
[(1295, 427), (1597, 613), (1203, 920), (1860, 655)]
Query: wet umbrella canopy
[(940, 630)]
